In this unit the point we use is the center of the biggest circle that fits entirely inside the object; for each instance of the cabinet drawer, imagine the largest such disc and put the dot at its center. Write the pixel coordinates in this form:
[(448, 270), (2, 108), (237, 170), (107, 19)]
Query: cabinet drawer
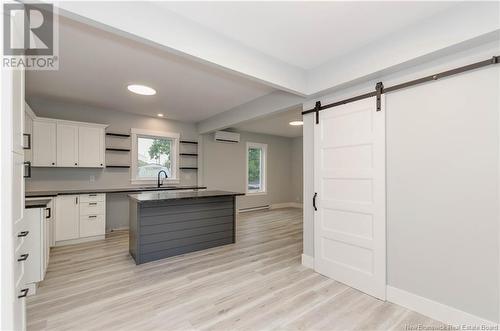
[(92, 208), (93, 197), (92, 225)]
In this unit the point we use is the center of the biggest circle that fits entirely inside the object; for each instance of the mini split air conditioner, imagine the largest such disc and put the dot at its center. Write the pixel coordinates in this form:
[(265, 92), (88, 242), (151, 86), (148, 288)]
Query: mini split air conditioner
[(227, 137)]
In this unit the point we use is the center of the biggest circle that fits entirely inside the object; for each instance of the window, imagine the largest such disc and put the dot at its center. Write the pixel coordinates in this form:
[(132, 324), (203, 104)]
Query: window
[(256, 168), (152, 152)]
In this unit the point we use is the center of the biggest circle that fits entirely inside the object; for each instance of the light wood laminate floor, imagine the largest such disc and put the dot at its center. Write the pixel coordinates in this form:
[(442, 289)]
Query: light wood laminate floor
[(256, 284)]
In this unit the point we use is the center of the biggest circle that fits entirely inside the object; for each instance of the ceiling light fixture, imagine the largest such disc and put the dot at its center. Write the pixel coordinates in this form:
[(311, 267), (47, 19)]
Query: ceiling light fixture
[(160, 115), (141, 89), (296, 123)]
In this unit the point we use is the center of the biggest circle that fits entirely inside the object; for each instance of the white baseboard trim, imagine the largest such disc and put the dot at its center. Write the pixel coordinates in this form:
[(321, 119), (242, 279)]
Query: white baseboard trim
[(433, 309), (308, 261), (286, 205)]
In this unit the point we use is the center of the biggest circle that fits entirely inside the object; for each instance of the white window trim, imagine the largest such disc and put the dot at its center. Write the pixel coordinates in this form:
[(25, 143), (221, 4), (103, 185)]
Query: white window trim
[(175, 156), (263, 190)]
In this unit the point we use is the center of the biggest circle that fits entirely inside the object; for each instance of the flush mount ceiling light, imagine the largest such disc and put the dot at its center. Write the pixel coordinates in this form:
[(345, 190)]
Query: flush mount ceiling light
[(296, 123), (160, 115), (141, 89)]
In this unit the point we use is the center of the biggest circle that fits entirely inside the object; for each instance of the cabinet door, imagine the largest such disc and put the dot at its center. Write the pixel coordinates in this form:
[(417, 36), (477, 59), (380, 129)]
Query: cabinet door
[(67, 217), (44, 143), (67, 145), (91, 147)]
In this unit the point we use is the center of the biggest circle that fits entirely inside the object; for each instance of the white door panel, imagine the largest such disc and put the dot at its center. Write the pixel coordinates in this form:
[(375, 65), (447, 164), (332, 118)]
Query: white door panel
[(44, 143), (350, 184), (67, 145)]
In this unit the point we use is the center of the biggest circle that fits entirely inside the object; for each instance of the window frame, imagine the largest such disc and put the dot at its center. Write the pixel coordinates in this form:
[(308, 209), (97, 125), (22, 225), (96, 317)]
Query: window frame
[(263, 189), (137, 133)]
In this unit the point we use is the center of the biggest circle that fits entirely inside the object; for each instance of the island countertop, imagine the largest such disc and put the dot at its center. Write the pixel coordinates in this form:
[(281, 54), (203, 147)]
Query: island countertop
[(176, 195)]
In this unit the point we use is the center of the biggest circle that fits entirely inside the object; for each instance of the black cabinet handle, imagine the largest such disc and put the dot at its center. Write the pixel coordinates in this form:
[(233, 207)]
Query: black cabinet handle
[(28, 175), (76, 163), (93, 216), (49, 210), (92, 195), (29, 140), (53, 163), (76, 200), (23, 257), (314, 201), (92, 203), (24, 293), (22, 234)]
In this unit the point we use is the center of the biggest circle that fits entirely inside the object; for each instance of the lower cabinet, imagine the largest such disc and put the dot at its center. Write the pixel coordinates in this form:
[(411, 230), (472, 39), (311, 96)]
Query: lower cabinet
[(80, 217), (67, 217)]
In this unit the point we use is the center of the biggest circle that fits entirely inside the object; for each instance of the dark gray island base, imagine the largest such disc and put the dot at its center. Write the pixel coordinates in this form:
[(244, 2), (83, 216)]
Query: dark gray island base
[(164, 224)]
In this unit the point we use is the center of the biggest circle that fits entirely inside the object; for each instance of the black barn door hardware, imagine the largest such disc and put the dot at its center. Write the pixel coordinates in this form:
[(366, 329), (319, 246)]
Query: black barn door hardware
[(379, 89), (314, 201)]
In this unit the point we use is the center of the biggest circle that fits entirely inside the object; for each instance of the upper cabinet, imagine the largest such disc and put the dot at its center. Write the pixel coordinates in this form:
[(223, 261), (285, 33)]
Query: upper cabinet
[(91, 146), (59, 143), (44, 143), (67, 145)]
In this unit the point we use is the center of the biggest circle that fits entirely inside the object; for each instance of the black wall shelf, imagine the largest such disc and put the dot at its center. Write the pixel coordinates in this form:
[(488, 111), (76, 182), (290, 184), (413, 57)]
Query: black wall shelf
[(118, 149), (188, 142), (117, 166), (122, 135)]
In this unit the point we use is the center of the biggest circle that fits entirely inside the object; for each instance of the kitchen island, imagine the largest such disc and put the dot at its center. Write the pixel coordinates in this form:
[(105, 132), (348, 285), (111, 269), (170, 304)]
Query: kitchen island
[(164, 224)]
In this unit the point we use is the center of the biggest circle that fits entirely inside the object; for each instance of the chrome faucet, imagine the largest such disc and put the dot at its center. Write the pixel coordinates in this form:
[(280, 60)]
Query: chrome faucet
[(159, 176)]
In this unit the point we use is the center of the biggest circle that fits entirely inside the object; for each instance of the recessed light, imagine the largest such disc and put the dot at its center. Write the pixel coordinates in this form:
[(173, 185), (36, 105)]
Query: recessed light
[(141, 89), (296, 123), (160, 115)]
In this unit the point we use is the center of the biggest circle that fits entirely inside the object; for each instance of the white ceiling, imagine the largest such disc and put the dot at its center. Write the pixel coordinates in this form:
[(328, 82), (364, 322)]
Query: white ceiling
[(303, 33), (96, 67), (276, 124)]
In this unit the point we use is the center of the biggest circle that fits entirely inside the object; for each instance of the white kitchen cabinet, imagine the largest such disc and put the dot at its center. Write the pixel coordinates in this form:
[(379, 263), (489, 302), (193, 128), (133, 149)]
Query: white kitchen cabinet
[(67, 217), (91, 146), (80, 218), (33, 248), (44, 143), (67, 145)]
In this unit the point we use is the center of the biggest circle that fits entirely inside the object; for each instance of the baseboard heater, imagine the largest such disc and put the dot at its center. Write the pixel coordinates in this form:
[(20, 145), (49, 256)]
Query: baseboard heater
[(244, 210)]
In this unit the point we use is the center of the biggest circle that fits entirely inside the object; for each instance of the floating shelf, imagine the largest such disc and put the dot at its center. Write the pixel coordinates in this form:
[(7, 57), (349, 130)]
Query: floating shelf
[(188, 154), (117, 166), (118, 149), (188, 142), (188, 168), (123, 135)]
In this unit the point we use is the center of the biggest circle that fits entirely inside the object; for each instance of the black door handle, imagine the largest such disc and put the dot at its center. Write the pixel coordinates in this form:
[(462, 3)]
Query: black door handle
[(28, 163), (23, 257), (24, 293), (314, 201), (23, 234)]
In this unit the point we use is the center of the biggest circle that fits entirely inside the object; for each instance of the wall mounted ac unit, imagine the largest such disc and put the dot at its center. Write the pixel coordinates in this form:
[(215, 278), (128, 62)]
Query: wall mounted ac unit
[(227, 137)]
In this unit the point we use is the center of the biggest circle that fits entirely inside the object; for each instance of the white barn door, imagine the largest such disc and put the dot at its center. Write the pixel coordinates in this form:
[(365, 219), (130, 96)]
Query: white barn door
[(349, 179)]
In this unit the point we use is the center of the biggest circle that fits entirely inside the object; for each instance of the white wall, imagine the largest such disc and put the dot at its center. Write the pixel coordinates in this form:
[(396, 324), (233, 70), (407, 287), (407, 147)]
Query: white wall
[(297, 169), (442, 183), (224, 166)]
